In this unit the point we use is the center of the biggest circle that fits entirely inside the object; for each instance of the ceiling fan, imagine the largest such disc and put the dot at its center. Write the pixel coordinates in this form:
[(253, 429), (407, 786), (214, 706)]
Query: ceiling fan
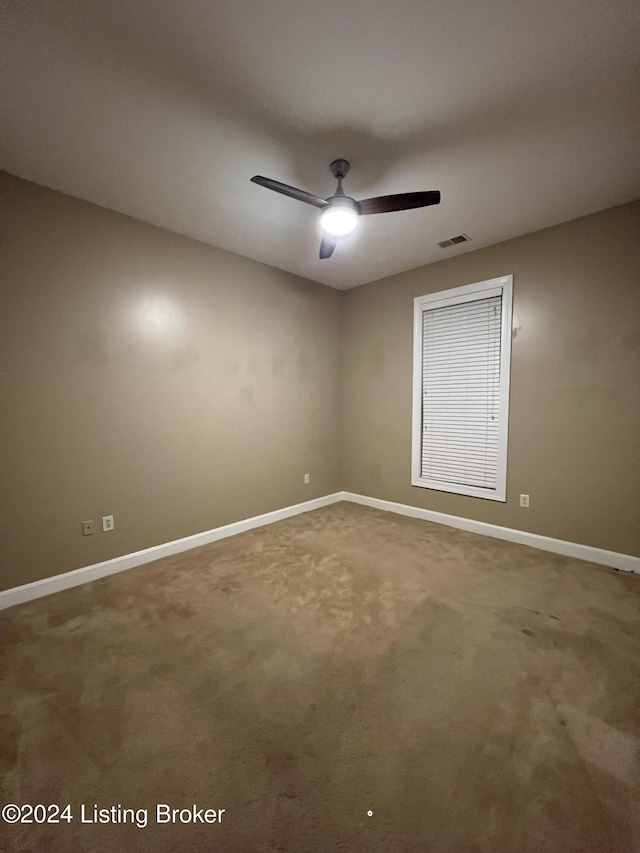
[(340, 213)]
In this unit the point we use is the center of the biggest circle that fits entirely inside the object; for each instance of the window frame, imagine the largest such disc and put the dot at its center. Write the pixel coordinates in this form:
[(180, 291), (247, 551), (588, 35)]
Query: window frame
[(467, 293)]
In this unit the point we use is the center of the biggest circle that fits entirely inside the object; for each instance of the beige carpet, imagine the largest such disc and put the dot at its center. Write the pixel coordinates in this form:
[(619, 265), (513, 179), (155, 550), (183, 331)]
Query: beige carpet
[(473, 694)]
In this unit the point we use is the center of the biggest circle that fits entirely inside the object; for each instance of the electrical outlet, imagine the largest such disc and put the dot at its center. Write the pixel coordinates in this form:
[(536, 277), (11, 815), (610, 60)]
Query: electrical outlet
[(524, 501), (107, 523), (307, 479), (88, 528)]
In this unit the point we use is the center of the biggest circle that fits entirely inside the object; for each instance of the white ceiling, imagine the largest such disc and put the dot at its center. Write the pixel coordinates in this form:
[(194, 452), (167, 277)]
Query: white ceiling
[(523, 114)]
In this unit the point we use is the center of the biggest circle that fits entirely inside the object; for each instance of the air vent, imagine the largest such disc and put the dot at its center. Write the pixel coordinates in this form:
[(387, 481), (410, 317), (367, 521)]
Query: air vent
[(453, 241)]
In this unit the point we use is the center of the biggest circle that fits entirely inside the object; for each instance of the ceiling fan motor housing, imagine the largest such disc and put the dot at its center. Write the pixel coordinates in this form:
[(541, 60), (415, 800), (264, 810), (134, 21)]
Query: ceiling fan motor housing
[(344, 201)]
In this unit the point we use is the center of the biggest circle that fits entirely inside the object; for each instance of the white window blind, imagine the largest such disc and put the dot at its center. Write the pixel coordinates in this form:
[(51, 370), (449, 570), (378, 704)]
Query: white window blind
[(460, 384), (461, 393)]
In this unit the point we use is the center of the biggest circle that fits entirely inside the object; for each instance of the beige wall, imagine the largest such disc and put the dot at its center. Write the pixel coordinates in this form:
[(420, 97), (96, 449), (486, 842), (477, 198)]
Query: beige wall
[(574, 426), (174, 385)]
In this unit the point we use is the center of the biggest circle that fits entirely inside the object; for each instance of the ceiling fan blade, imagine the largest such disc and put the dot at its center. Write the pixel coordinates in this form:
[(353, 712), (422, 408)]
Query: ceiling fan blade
[(292, 192), (401, 201), (327, 246)]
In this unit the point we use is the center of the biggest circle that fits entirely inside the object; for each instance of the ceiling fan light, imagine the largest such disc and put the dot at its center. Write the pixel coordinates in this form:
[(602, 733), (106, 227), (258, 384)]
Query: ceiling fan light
[(339, 220)]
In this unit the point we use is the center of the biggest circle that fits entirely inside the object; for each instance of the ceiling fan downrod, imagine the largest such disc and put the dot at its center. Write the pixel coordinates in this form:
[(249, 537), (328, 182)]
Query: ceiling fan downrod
[(339, 169)]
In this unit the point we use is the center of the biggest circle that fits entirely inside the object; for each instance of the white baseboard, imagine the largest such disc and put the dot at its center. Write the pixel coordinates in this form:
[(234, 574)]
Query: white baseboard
[(624, 562), (47, 586), (57, 583)]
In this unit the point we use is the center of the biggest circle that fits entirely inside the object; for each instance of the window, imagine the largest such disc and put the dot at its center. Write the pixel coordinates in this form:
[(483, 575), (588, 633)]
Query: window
[(461, 359)]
